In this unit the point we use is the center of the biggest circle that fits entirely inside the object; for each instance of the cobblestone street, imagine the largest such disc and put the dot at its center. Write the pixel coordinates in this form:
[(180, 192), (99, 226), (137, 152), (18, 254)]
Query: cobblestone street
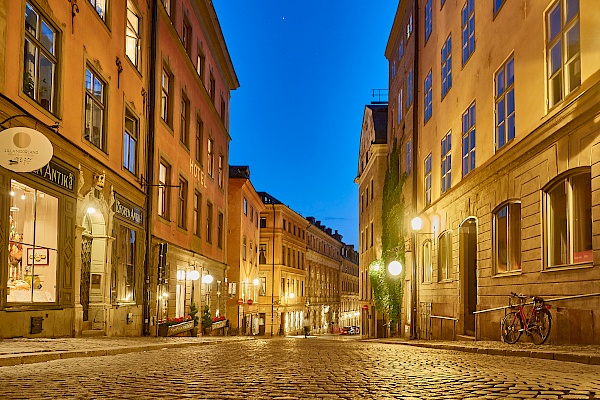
[(297, 368)]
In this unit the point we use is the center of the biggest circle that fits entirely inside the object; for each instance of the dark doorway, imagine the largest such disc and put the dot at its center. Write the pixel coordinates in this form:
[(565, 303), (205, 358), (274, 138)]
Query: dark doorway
[(468, 254)]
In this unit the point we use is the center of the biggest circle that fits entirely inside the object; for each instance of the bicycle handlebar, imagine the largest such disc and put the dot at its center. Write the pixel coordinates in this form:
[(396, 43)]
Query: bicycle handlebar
[(519, 295)]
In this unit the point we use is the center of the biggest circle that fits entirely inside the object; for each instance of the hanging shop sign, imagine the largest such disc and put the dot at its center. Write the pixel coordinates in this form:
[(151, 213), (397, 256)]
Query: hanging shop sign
[(128, 211), (24, 149), (58, 175)]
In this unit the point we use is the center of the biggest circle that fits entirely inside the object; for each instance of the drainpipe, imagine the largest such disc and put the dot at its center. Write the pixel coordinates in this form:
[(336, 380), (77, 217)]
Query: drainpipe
[(150, 162), (415, 138), (273, 275)]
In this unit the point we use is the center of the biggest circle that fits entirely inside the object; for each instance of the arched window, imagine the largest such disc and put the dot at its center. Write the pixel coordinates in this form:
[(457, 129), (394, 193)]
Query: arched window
[(427, 264), (444, 256)]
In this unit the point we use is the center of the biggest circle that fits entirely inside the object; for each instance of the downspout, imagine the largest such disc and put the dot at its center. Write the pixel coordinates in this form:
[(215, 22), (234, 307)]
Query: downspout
[(273, 275), (150, 162), (415, 139)]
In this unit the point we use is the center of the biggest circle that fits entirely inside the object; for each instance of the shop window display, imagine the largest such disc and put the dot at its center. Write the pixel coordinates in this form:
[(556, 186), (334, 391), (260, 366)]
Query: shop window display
[(32, 246)]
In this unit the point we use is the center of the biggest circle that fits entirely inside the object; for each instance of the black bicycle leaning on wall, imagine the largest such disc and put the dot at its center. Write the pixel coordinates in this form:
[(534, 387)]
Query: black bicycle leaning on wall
[(536, 324)]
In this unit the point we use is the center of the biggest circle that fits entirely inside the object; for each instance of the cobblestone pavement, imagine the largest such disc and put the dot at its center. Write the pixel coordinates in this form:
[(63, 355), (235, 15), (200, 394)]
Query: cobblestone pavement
[(298, 368)]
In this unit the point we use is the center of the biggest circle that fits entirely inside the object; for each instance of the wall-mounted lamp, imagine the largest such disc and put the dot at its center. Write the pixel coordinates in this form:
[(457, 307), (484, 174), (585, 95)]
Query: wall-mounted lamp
[(395, 268), (207, 279)]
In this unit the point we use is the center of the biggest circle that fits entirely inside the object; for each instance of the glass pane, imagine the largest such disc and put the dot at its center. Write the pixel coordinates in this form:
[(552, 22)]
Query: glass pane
[(582, 218), (555, 89), (499, 83), (514, 240), (502, 239), (557, 226), (555, 58), (510, 72), (33, 240), (31, 20), (511, 127), (574, 71), (472, 160), (500, 135), (573, 41), (29, 77), (98, 90), (472, 116), (510, 102), (46, 90), (572, 9), (47, 37), (554, 25)]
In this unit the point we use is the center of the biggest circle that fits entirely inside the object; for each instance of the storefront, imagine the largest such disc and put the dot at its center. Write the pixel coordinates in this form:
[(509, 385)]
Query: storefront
[(38, 211)]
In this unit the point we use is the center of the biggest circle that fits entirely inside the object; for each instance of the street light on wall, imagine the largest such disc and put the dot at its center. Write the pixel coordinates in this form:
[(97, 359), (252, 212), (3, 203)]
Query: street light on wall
[(395, 268)]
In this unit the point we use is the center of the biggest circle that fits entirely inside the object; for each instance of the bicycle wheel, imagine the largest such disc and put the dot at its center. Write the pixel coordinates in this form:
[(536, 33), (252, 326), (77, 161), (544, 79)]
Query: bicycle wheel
[(540, 326), (512, 327)]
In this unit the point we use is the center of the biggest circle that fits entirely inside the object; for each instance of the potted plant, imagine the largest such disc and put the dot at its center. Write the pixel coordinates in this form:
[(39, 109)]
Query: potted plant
[(206, 320), (195, 318)]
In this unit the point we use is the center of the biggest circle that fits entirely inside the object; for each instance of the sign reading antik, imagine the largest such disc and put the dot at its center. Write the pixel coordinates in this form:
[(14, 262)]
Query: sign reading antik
[(57, 175), (128, 210)]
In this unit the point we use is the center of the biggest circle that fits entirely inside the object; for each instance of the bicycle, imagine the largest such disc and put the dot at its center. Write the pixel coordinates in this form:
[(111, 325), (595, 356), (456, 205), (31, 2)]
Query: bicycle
[(537, 324)]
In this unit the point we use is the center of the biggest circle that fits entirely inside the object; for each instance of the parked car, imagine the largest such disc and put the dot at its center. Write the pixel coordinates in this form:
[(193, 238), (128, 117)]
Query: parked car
[(350, 330)]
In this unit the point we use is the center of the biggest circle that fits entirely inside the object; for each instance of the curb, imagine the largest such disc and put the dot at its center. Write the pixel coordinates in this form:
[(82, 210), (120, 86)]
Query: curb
[(580, 358), (9, 360)]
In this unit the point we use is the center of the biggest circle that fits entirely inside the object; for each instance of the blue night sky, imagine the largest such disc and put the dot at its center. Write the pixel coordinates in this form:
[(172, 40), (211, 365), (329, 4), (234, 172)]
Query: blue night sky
[(306, 69)]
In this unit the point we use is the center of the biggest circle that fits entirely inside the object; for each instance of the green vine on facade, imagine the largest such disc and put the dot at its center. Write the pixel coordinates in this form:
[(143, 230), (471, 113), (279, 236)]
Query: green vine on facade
[(388, 290)]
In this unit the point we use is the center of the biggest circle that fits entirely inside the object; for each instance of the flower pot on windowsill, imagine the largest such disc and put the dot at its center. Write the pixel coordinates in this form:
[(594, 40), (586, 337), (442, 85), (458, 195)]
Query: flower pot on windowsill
[(175, 329)]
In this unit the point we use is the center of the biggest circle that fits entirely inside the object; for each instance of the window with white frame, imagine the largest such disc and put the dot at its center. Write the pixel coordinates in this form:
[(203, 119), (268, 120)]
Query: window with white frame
[(197, 213), (40, 58), (165, 99), (164, 180), (444, 256), (186, 35), (210, 157), (563, 50), (568, 219), (507, 237), (100, 7), (130, 142), (446, 162), (200, 64), (132, 34), (505, 103), (184, 125), (199, 139), (468, 30), (427, 264), (409, 27), (401, 49), (95, 103), (167, 5), (428, 97), (428, 19), (182, 203), (400, 106), (428, 179), (447, 66), (409, 89), (468, 140)]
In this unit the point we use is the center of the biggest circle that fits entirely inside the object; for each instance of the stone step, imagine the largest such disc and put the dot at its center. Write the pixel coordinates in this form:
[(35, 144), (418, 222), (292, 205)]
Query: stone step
[(465, 338), (92, 333)]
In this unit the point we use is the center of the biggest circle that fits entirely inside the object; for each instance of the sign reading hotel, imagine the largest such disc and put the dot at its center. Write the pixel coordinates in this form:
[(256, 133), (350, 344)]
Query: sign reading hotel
[(128, 211), (197, 172), (24, 149)]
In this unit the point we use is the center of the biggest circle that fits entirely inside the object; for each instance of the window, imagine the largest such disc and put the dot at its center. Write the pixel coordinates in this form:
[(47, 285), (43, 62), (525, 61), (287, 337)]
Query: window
[(167, 4), (32, 243), (165, 101), (444, 257), (507, 237), (130, 141), (428, 19), (200, 64), (468, 140), (372, 189), (40, 59), (400, 106), (197, 213), (100, 7), (220, 172), (409, 27), (186, 36), (199, 139), (443, 2), (245, 206), (498, 5), (428, 179), (212, 88), (468, 30), (447, 66), (409, 157), (400, 49), (164, 180), (182, 203), (428, 97), (505, 103), (568, 220), (211, 156), (223, 110), (394, 70), (563, 50), (94, 110), (184, 129), (446, 162), (262, 254), (409, 89), (427, 265), (263, 222), (123, 279), (209, 221), (132, 35), (220, 221)]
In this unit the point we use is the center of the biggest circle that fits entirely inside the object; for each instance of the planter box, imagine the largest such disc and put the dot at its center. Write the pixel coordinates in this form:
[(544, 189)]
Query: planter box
[(219, 324), (171, 330)]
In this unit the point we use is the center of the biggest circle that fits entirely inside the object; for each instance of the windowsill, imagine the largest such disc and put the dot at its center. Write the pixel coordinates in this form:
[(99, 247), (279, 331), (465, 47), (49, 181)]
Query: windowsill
[(507, 274), (569, 267), (125, 303)]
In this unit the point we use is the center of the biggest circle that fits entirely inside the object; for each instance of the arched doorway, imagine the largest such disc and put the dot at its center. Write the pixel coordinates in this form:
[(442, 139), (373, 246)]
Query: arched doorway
[(93, 260), (468, 273)]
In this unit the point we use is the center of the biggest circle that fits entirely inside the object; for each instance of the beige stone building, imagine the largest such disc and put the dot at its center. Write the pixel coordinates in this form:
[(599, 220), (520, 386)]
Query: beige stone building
[(372, 164), (246, 286), (349, 287), (506, 157)]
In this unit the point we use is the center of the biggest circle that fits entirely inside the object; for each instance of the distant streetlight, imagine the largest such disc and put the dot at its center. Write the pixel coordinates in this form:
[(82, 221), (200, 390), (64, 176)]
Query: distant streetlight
[(416, 224), (395, 268)]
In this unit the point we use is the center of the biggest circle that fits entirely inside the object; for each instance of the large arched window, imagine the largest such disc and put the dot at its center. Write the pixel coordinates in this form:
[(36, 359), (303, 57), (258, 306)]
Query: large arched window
[(507, 237), (568, 219)]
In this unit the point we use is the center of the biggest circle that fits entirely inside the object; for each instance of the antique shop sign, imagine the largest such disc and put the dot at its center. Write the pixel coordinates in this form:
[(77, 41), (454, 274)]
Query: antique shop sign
[(128, 210), (58, 175)]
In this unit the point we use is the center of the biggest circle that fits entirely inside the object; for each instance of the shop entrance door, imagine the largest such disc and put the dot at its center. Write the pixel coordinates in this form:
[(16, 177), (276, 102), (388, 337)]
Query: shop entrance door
[(468, 271), (93, 273), (86, 262)]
